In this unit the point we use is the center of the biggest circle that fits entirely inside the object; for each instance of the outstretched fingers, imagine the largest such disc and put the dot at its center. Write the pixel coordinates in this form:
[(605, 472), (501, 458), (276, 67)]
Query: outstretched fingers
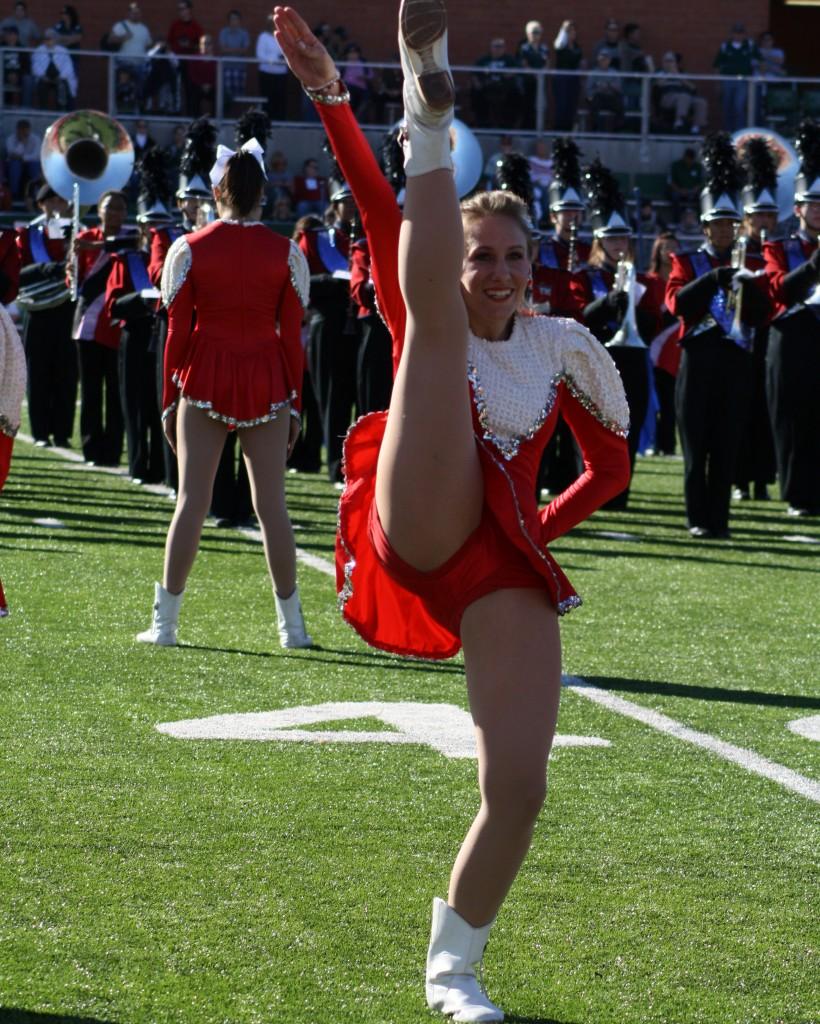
[(306, 56)]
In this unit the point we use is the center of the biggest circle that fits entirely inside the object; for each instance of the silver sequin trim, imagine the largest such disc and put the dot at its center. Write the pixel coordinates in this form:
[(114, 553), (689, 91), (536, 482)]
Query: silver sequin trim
[(299, 274), (167, 412), (230, 420), (509, 446), (175, 269)]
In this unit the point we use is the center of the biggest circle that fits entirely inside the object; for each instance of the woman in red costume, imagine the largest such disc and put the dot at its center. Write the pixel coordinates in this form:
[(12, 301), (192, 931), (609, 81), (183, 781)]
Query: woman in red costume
[(441, 543), (235, 293)]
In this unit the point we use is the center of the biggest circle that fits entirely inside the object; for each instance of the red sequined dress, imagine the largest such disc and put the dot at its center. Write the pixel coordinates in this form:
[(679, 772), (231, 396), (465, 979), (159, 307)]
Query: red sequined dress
[(235, 294)]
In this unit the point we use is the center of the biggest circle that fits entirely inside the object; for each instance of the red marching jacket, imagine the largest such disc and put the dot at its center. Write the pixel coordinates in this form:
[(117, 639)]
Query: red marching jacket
[(778, 267)]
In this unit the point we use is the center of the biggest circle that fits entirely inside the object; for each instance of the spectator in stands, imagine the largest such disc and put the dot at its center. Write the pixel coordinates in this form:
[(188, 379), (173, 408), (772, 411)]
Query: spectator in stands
[(689, 229), (309, 190), (173, 152), (273, 72), (677, 97), (234, 41), (126, 94), (22, 157), (496, 94), (566, 89), (736, 56), (631, 57), (533, 53), (132, 39), (279, 179), (53, 72), (358, 78), (183, 41), (684, 182), (202, 80), (28, 31), (771, 65), (17, 88), (69, 29), (281, 209), (541, 173), (159, 89), (141, 139), (605, 95), (610, 44)]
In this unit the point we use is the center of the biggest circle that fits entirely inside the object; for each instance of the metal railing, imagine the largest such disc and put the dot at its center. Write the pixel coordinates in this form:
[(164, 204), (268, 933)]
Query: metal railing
[(158, 87)]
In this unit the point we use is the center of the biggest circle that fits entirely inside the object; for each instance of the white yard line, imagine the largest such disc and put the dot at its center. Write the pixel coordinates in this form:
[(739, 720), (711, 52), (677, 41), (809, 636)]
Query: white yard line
[(747, 759)]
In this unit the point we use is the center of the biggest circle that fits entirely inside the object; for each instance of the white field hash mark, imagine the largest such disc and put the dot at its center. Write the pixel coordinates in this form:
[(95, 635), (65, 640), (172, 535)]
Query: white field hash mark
[(747, 759)]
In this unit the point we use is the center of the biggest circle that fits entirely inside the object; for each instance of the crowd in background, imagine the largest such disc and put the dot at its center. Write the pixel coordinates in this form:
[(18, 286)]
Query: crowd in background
[(152, 74)]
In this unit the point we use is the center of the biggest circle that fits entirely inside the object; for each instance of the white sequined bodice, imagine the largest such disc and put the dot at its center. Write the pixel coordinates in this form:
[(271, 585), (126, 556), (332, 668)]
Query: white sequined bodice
[(515, 382)]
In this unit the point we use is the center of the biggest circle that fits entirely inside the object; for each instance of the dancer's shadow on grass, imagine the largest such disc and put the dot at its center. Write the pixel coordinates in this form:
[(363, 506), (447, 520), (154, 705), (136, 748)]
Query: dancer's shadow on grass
[(715, 693), (362, 659), (14, 1015)]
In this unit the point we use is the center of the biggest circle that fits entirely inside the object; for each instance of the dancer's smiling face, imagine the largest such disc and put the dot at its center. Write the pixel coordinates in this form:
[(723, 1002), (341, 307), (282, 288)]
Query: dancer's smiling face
[(496, 273)]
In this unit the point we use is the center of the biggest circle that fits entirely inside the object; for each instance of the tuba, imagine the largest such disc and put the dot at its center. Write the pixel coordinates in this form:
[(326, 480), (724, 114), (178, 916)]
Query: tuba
[(628, 335), (84, 154), (40, 291)]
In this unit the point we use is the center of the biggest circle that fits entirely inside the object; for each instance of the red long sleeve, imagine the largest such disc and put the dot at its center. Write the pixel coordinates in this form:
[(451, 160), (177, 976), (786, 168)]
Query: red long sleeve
[(380, 213), (606, 471)]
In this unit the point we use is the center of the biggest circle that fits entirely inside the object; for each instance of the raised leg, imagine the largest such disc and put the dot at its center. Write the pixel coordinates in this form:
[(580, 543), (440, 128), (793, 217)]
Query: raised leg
[(429, 488)]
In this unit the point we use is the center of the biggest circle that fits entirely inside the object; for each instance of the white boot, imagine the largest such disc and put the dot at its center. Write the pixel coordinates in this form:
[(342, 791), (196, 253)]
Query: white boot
[(429, 93), (452, 986), (289, 619), (163, 629)]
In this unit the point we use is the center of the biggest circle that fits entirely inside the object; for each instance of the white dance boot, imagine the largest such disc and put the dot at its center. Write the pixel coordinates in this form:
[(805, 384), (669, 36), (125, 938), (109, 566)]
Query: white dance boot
[(291, 623), (452, 986), (163, 631), (429, 93)]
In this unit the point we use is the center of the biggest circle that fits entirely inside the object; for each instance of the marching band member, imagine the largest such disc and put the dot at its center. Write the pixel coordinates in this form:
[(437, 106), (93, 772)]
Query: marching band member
[(664, 349), (756, 466), (441, 543), (12, 389), (51, 354), (558, 257), (793, 358), (235, 293), (98, 340), (714, 383), (334, 333), (606, 306), (197, 157), (130, 302)]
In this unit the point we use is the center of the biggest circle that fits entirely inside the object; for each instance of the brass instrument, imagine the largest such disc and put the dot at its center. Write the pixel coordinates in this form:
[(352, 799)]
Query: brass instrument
[(628, 335), (84, 154), (39, 291), (734, 300)]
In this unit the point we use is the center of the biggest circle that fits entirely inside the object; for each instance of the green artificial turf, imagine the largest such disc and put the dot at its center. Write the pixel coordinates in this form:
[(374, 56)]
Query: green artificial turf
[(145, 878)]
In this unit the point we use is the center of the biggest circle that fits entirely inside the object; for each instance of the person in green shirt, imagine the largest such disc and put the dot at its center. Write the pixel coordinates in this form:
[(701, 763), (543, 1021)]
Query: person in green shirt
[(736, 56), (685, 180)]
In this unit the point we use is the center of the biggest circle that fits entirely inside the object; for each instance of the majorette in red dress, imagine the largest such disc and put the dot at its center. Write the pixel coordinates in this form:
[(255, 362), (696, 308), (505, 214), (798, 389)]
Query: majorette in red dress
[(517, 387), (235, 293)]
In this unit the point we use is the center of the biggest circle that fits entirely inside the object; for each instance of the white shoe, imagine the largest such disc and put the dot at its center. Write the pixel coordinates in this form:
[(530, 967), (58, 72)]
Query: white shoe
[(290, 621), (452, 986), (163, 631), (428, 91)]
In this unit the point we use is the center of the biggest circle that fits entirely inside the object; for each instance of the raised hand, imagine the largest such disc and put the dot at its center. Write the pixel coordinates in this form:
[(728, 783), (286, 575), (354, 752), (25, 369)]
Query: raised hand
[(307, 58)]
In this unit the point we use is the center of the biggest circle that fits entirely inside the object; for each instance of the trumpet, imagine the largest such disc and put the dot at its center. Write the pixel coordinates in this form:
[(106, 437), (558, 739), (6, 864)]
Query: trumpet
[(628, 335), (734, 300)]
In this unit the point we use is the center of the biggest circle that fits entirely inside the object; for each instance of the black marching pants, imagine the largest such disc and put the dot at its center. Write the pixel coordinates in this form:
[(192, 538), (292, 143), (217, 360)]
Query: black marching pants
[(51, 361), (634, 367), (332, 355), (101, 422), (712, 396), (143, 428), (793, 391)]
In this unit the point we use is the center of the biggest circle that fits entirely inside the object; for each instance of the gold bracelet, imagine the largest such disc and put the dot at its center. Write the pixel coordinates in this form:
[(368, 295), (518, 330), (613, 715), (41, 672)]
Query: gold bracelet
[(319, 95)]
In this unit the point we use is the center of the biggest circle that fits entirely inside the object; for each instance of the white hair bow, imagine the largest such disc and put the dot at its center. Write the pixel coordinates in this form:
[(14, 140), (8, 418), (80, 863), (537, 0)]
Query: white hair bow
[(223, 155)]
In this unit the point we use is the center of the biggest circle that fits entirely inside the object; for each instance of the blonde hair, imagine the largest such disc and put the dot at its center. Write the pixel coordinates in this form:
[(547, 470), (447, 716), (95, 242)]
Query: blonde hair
[(498, 204)]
